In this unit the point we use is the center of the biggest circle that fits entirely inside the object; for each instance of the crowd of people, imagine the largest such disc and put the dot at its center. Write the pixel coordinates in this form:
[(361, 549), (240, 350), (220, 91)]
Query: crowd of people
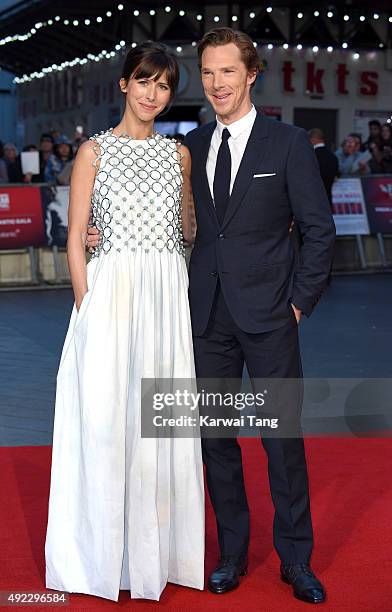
[(56, 156), (354, 157), (374, 156)]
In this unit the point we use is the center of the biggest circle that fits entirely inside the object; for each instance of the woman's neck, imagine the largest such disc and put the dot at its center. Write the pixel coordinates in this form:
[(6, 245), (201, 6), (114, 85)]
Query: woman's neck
[(130, 125)]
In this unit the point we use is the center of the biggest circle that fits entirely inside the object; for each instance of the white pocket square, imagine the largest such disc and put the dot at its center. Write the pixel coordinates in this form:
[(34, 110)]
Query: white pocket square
[(267, 174)]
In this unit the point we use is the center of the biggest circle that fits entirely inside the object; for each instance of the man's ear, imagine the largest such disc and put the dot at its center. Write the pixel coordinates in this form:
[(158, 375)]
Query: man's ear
[(123, 85), (252, 76)]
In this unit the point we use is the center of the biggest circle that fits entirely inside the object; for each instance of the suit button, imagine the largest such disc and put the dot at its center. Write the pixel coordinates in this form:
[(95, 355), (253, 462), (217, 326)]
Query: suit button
[(214, 273), (221, 236)]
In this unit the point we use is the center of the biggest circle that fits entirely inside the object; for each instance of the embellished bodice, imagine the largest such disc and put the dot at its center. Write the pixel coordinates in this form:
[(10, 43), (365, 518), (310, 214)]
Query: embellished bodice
[(136, 199)]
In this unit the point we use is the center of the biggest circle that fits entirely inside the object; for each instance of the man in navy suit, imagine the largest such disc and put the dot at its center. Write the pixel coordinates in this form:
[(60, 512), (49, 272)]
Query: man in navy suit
[(251, 176)]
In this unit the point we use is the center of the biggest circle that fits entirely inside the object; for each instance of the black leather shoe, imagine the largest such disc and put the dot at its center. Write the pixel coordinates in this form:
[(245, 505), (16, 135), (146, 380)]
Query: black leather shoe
[(305, 584), (225, 576)]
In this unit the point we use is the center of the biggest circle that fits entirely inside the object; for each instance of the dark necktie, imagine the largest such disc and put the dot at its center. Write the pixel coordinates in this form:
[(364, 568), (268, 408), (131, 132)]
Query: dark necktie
[(222, 177)]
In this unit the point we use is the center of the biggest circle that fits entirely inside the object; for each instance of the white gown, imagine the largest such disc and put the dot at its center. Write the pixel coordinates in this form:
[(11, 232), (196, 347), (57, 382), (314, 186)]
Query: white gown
[(126, 512)]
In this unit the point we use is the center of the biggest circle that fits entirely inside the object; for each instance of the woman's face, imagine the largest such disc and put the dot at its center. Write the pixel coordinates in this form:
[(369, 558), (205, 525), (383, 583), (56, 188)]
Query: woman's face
[(9, 153), (63, 149), (146, 98), (386, 132)]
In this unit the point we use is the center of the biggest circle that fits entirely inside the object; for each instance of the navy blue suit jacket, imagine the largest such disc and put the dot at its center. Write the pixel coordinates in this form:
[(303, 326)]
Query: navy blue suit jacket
[(252, 251)]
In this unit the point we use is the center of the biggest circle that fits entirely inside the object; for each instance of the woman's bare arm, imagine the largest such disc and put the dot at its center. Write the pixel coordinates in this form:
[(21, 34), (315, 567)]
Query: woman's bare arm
[(82, 182), (188, 208)]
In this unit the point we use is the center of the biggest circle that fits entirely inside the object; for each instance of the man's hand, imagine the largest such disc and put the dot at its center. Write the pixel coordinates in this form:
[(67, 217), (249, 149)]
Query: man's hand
[(92, 238), (297, 312)]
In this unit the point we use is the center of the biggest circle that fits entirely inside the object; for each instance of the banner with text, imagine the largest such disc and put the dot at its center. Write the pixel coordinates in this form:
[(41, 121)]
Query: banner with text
[(348, 207), (378, 195)]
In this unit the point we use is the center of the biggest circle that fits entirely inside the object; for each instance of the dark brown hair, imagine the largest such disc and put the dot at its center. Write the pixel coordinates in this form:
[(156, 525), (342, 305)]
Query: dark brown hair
[(224, 36), (151, 59)]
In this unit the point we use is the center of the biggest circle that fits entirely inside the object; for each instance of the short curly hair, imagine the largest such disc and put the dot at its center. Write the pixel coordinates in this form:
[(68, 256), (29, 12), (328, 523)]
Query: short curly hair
[(224, 36)]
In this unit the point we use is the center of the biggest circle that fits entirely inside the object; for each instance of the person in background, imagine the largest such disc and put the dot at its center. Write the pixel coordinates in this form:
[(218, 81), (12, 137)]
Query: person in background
[(62, 153), (28, 177), (386, 135), (55, 134), (381, 161), (45, 150), (374, 134), (79, 138), (3, 167), (328, 162), (348, 155), (12, 163)]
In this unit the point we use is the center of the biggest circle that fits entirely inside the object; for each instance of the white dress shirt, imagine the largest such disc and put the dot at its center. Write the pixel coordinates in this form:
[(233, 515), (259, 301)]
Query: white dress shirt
[(239, 135)]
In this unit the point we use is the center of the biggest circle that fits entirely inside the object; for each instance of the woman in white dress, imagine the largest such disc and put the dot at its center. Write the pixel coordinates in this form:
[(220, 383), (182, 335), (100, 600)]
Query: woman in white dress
[(126, 512)]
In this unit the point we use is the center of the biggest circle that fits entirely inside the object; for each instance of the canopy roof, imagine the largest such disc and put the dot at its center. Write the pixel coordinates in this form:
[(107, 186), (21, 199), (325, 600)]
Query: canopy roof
[(46, 32)]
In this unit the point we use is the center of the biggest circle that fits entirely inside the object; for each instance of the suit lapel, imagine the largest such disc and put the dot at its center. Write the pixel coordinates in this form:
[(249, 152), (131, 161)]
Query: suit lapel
[(205, 188), (255, 150)]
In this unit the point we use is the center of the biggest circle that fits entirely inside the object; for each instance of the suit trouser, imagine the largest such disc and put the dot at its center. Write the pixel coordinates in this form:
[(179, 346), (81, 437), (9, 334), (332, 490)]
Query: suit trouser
[(221, 353)]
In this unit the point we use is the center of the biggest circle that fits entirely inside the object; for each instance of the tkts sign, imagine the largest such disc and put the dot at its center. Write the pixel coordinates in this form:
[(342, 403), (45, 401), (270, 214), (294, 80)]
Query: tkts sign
[(314, 79)]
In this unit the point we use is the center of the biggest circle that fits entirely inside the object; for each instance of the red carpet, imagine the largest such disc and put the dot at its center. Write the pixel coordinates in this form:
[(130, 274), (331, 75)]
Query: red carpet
[(351, 489)]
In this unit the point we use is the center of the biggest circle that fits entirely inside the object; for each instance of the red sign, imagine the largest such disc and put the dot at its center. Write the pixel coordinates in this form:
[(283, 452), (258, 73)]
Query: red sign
[(21, 219), (367, 79), (378, 196)]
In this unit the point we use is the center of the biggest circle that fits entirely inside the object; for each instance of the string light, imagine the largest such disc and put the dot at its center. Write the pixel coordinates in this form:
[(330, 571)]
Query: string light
[(90, 57), (99, 19), (136, 12)]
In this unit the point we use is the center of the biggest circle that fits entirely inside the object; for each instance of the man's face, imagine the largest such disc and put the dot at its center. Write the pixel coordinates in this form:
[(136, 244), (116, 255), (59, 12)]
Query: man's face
[(374, 131), (351, 145), (46, 146), (226, 82)]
